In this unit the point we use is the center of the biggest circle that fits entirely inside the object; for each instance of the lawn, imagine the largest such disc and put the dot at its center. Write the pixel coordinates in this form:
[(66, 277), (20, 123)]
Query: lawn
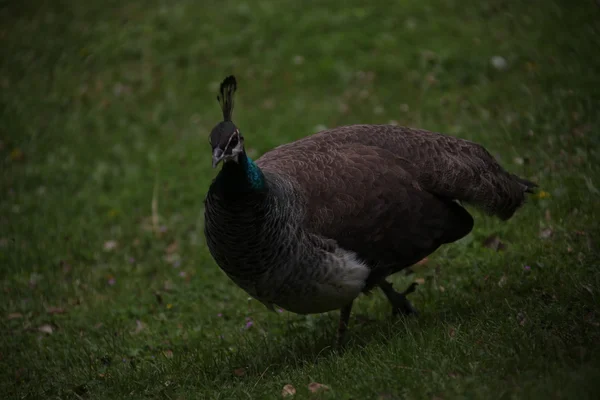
[(108, 290)]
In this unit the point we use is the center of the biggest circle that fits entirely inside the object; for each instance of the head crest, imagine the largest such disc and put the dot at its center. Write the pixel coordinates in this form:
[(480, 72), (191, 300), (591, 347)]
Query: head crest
[(228, 87)]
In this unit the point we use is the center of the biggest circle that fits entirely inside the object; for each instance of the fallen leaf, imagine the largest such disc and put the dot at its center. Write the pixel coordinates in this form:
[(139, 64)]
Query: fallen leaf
[(239, 371), (139, 326), (14, 315), (499, 63), (288, 390), (172, 248), (168, 353), (46, 328), (110, 245), (420, 281), (55, 310), (521, 318), (493, 242), (423, 261), (502, 281), (315, 387), (17, 155), (546, 233), (451, 332)]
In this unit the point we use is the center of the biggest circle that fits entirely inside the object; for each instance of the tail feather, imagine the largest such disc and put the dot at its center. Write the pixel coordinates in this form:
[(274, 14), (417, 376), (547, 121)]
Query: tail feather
[(510, 195), (528, 186)]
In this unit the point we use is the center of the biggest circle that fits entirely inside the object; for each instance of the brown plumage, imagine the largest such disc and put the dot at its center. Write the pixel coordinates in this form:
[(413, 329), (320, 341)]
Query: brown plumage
[(387, 192), (312, 224)]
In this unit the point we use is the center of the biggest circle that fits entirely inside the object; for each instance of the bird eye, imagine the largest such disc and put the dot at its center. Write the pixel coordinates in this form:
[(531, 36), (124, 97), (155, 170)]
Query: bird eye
[(234, 141)]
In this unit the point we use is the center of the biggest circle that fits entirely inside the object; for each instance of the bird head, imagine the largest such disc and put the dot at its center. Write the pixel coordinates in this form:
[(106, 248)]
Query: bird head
[(225, 139)]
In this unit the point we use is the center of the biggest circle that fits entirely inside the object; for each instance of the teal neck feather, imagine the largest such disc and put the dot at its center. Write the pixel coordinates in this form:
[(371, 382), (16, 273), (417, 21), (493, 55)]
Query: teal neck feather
[(241, 176), (255, 175)]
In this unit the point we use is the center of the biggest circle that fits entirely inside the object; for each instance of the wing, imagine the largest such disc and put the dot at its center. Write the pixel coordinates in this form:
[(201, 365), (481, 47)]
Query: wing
[(443, 165), (367, 199)]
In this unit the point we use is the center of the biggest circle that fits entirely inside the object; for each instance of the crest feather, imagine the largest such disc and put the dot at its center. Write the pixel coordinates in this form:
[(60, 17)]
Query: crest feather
[(228, 88)]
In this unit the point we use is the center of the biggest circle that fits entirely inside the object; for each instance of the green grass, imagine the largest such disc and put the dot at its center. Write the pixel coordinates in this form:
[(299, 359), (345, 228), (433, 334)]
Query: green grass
[(107, 106)]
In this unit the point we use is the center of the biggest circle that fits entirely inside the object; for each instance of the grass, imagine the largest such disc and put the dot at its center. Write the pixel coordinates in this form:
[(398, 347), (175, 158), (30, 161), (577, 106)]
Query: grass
[(107, 288)]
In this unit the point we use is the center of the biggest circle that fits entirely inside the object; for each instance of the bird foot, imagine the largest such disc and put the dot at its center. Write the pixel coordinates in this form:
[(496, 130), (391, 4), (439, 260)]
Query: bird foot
[(400, 304)]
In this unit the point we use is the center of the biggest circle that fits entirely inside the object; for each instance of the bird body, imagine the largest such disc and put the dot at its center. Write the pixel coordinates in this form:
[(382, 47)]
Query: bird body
[(270, 253), (313, 223)]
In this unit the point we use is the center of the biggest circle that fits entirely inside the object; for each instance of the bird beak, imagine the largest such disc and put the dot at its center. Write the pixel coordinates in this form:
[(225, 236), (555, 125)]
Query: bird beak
[(217, 157)]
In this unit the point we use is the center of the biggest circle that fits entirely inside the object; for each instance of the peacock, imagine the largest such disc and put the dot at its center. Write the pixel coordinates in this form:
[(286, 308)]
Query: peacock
[(312, 224)]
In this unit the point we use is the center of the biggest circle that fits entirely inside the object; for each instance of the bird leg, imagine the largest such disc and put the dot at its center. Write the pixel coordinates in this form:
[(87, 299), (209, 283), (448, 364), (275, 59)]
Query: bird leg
[(343, 326), (400, 304)]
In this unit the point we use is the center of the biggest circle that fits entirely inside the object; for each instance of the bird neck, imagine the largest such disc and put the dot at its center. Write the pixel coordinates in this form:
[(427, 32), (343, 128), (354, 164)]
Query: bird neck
[(241, 176)]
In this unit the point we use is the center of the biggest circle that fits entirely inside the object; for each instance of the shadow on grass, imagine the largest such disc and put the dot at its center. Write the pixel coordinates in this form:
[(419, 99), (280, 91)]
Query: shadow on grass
[(552, 322), (298, 345)]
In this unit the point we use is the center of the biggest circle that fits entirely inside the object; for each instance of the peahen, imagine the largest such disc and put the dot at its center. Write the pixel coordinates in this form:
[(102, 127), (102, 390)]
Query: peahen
[(312, 224)]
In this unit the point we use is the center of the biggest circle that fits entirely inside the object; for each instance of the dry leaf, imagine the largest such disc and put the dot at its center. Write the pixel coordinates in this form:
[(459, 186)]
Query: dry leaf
[(493, 242), (451, 332), (46, 328), (173, 247), (546, 233), (110, 245), (423, 261), (521, 318), (17, 155), (14, 315), (55, 310), (420, 281), (315, 387), (239, 371), (139, 326), (288, 390), (502, 281), (168, 353)]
